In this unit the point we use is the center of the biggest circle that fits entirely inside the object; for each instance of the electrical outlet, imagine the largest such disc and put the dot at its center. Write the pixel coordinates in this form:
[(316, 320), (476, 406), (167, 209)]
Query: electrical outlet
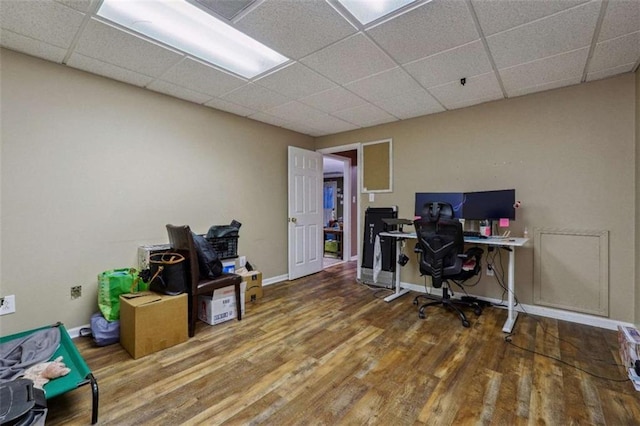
[(489, 271), (76, 292), (7, 305)]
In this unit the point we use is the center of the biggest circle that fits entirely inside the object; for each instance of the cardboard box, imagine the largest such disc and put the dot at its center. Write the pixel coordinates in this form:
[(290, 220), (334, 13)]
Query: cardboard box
[(221, 306), (254, 284), (150, 322)]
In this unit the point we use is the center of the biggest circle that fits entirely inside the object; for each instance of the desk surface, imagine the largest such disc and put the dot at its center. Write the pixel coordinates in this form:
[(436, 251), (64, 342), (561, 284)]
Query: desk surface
[(490, 241)]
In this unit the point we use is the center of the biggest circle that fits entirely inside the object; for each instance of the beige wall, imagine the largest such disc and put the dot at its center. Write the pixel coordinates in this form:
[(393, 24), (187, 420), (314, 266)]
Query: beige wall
[(569, 153), (92, 168)]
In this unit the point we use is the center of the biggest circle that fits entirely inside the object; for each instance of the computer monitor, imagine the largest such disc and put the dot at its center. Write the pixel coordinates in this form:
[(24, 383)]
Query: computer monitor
[(454, 198), (489, 205)]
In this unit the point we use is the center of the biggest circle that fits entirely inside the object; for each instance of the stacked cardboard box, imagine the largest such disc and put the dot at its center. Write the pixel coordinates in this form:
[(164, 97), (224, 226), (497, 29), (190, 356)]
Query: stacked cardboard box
[(221, 306), (150, 322), (253, 280)]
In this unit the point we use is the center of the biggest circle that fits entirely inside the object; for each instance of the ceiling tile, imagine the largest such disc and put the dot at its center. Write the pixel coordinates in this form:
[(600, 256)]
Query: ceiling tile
[(451, 65), (295, 28), (111, 45), (568, 30), (255, 97), (293, 111), (296, 81), (328, 123), (297, 112), (409, 105), (333, 100), (615, 52), (227, 106), (351, 59), (546, 86), (286, 124), (269, 119), (178, 92), (43, 20), (566, 66), (95, 66), (365, 115), (431, 28), (609, 72), (201, 77), (81, 5), (32, 47), (386, 84), (500, 15), (226, 8), (621, 17), (476, 90)]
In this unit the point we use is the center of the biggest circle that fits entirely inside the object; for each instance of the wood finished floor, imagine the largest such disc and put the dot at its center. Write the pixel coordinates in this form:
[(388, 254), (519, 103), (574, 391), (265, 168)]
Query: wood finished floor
[(325, 350)]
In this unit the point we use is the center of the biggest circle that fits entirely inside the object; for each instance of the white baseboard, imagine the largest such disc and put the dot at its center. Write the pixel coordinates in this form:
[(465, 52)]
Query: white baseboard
[(542, 311), (75, 332), (274, 280)]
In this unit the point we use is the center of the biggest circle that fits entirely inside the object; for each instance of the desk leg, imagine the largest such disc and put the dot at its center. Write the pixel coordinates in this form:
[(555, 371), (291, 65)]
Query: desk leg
[(399, 290), (512, 315)]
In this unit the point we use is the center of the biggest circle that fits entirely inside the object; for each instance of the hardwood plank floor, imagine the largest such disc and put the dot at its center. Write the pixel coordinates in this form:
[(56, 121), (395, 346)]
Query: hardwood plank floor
[(325, 350)]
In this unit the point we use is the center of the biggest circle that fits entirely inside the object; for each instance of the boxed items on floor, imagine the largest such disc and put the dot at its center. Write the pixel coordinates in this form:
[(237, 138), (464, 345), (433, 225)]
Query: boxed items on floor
[(629, 340), (253, 280), (150, 322), (221, 306)]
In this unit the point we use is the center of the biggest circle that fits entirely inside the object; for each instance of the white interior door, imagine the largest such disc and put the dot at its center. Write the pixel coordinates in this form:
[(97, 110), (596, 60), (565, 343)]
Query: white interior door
[(305, 212)]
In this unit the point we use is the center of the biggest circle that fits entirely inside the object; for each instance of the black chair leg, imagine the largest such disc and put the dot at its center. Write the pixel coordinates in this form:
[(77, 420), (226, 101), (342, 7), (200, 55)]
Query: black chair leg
[(422, 308), (447, 302), (463, 317)]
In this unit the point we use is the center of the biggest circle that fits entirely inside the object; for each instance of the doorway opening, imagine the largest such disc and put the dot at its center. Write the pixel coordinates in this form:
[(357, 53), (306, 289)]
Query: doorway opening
[(340, 202)]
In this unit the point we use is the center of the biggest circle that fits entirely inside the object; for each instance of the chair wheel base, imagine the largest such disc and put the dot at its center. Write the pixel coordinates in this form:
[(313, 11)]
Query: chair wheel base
[(466, 323)]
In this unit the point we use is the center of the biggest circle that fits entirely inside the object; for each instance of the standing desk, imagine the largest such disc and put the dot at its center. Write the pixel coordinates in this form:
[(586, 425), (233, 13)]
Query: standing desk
[(511, 243)]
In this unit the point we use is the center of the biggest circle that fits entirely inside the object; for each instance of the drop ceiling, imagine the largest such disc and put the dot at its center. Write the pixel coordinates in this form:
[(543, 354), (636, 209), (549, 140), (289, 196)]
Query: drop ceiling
[(342, 75)]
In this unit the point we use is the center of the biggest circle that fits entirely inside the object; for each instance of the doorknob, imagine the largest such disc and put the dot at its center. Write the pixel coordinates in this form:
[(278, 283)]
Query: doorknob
[(293, 219)]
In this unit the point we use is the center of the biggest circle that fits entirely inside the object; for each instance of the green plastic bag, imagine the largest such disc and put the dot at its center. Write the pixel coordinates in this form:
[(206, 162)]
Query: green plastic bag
[(111, 284)]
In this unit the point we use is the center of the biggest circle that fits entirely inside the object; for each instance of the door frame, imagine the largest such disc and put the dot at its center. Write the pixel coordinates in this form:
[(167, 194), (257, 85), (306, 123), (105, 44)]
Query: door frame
[(346, 206), (347, 175)]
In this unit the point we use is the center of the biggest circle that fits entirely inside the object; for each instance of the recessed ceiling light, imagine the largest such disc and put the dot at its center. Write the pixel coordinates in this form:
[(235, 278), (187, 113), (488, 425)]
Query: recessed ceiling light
[(367, 11), (186, 27)]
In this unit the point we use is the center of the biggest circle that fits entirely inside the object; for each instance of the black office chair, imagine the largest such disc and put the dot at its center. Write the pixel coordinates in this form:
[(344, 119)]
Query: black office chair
[(442, 256)]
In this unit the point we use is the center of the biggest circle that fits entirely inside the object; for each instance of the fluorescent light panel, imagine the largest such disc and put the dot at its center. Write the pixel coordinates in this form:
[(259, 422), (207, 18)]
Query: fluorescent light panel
[(367, 11), (186, 27)]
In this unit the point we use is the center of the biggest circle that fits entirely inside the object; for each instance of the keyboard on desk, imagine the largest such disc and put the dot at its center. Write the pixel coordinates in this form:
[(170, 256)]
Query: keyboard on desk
[(471, 234)]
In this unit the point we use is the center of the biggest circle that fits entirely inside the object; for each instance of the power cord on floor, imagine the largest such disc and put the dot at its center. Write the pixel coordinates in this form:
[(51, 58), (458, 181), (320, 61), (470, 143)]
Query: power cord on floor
[(508, 340)]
